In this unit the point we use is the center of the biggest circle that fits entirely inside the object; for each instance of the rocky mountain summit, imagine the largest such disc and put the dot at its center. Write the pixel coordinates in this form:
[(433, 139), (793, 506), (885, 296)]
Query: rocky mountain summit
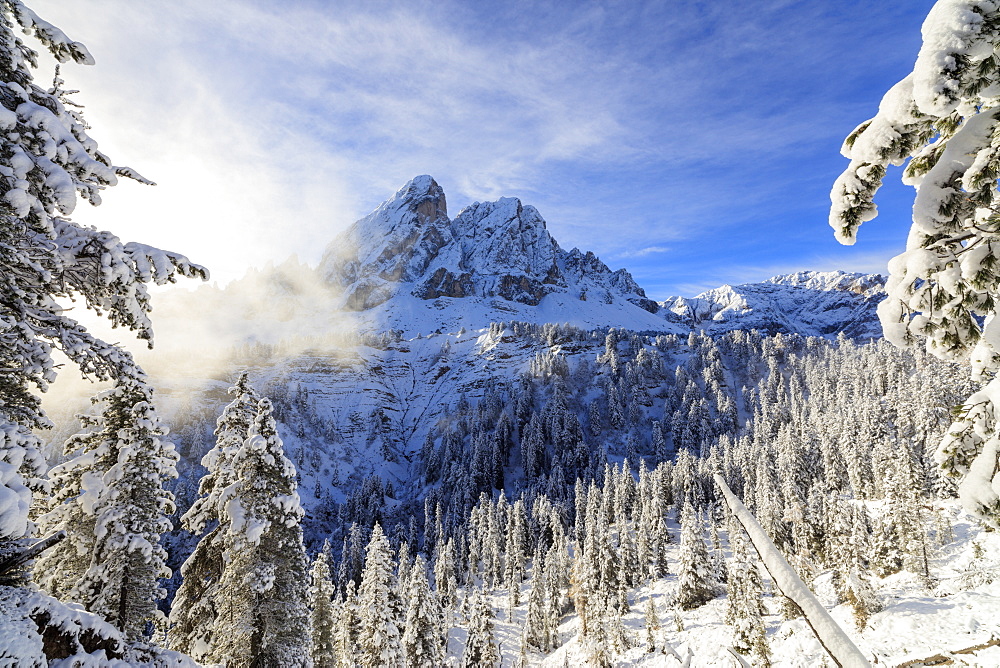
[(408, 266), (501, 249)]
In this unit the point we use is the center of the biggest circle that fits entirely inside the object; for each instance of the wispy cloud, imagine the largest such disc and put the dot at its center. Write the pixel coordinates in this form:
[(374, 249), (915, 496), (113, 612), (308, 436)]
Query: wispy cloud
[(255, 118), (632, 127), (643, 252)]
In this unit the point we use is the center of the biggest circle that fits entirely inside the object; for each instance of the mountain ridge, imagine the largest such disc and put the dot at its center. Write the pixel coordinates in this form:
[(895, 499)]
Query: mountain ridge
[(810, 303)]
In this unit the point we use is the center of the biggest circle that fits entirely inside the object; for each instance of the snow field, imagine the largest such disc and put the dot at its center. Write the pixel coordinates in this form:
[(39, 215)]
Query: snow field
[(959, 608)]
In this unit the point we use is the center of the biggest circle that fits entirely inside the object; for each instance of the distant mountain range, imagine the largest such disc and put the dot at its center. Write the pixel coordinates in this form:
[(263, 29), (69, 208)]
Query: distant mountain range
[(810, 303), (408, 267)]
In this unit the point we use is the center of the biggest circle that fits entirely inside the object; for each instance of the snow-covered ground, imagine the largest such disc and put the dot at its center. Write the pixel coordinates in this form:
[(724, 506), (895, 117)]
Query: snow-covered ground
[(958, 609)]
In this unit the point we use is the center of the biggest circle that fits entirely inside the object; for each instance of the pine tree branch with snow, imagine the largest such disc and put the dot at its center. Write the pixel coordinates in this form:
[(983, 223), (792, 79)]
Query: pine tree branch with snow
[(942, 120)]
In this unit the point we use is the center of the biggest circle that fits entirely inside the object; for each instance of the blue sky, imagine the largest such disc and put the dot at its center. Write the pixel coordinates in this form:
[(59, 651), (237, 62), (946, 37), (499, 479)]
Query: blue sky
[(693, 143)]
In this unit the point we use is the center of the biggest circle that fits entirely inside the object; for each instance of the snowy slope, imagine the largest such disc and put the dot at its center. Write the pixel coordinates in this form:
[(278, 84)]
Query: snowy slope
[(809, 303), (956, 610), (408, 384)]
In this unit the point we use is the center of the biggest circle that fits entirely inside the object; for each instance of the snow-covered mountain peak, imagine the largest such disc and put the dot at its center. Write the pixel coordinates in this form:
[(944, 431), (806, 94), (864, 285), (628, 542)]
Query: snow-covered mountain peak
[(410, 268), (496, 257), (421, 199), (807, 302), (394, 243), (844, 281)]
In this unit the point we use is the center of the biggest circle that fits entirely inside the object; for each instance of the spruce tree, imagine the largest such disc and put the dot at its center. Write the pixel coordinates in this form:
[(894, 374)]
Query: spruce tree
[(263, 615), (536, 624), (77, 486), (517, 543), (585, 577), (49, 160), (652, 623), (555, 579), (111, 502), (346, 645), (614, 629), (943, 290), (745, 612), (858, 592), (122, 582), (481, 650), (422, 647), (323, 617), (195, 605), (523, 660), (445, 578), (379, 638), (696, 584)]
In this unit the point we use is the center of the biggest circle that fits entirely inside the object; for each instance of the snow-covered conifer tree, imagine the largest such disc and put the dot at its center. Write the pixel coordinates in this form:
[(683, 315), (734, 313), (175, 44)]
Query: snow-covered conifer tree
[(903, 505), (77, 484), (48, 159), (323, 617), (586, 570), (379, 638), (696, 584), (536, 626), (651, 621), (346, 626), (121, 583), (262, 603), (481, 650), (194, 609), (517, 542), (614, 629), (859, 594), (445, 579), (109, 499), (746, 610), (422, 647)]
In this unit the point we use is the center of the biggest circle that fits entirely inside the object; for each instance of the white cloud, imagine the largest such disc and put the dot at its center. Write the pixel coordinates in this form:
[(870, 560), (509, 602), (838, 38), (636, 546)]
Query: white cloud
[(271, 126), (643, 252)]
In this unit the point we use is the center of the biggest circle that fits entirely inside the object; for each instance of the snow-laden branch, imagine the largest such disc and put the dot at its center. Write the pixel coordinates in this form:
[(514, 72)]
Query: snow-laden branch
[(20, 558), (833, 639)]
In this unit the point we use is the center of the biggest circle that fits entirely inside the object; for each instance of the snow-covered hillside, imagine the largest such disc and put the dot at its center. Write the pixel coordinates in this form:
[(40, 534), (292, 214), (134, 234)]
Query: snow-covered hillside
[(408, 432)]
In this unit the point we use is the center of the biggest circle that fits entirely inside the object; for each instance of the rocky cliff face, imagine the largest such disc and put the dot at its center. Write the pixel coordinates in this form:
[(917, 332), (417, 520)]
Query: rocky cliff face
[(395, 244), (501, 249)]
